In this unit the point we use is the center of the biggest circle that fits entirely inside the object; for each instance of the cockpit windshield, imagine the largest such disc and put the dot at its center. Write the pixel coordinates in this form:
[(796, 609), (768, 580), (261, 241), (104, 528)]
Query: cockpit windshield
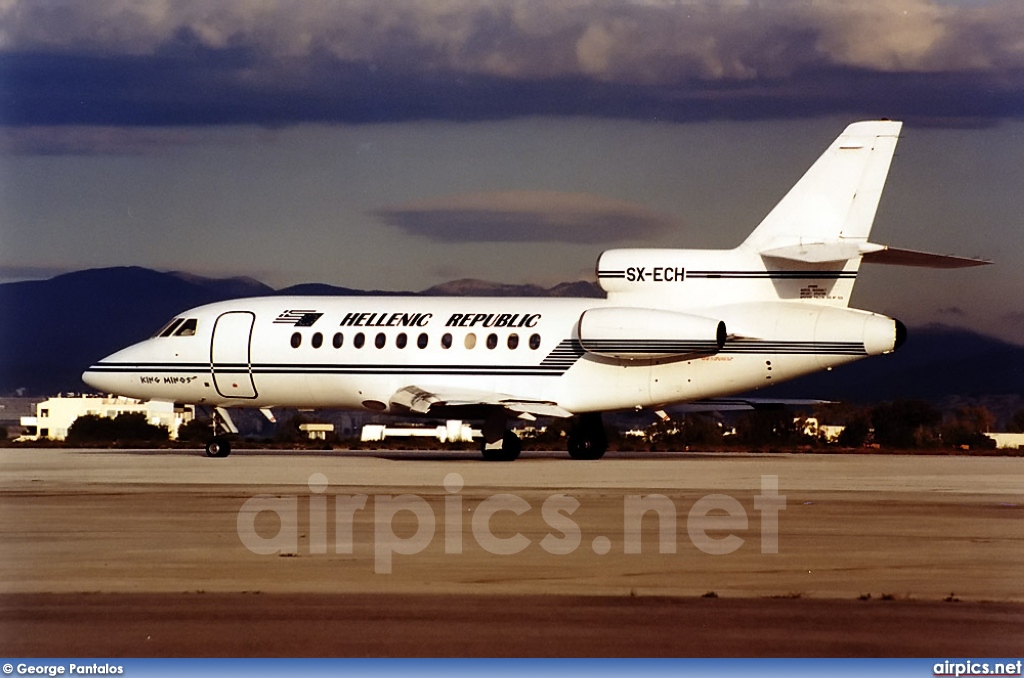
[(178, 327)]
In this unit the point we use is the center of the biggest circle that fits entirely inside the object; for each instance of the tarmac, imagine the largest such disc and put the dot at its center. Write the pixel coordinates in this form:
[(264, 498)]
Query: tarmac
[(356, 553)]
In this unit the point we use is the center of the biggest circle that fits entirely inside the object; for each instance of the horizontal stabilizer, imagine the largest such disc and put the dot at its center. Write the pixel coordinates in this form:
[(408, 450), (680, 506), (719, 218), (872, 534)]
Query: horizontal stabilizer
[(839, 251), (816, 252), (898, 257)]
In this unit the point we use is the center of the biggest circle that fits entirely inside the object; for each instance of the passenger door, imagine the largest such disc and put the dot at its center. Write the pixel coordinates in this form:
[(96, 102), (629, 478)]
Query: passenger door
[(230, 355)]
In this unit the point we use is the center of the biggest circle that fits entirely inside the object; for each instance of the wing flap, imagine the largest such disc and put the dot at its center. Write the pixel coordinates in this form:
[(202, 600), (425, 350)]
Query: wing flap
[(744, 404), (425, 401)]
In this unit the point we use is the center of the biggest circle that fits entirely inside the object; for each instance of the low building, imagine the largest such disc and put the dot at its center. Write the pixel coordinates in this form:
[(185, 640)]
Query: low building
[(54, 416), (827, 432), (317, 431), (1008, 441)]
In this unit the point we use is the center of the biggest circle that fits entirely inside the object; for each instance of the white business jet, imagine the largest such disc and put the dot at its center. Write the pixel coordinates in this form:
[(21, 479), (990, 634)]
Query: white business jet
[(677, 326)]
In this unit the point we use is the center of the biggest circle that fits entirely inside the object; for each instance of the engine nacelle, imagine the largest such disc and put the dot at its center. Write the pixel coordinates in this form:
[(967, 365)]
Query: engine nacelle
[(646, 334)]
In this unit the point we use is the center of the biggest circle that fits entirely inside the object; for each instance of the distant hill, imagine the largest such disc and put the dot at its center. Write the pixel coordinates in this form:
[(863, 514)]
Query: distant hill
[(937, 362), (471, 287), (51, 330)]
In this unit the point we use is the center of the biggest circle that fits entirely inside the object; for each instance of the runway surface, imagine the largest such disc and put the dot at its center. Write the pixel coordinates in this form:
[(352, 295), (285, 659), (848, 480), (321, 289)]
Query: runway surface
[(396, 553)]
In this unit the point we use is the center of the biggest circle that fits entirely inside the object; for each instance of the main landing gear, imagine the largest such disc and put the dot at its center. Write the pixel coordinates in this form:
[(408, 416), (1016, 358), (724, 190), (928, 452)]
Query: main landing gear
[(587, 438), (499, 444)]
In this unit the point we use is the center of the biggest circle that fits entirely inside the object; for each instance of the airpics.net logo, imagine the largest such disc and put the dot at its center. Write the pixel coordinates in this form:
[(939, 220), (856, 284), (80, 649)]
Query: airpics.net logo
[(407, 524)]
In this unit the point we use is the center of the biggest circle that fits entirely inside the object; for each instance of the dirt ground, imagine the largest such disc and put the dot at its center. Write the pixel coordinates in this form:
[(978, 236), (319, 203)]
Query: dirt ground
[(172, 554)]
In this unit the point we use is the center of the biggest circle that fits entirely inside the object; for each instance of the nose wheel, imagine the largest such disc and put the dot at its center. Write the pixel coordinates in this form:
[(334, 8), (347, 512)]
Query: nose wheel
[(218, 447), (220, 444)]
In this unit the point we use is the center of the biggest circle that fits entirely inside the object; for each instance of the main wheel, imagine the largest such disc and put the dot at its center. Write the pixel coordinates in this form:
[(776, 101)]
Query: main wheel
[(587, 439), (511, 446), (218, 447)]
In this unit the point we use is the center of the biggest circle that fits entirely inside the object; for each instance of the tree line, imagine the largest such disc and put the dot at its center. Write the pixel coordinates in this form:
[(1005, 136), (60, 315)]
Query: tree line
[(900, 424)]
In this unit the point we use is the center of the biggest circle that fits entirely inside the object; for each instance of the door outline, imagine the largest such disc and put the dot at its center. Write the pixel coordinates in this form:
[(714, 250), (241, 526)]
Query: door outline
[(238, 365)]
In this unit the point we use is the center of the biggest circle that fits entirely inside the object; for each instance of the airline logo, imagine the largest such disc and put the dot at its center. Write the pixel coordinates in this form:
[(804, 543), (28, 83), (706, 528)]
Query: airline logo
[(298, 318)]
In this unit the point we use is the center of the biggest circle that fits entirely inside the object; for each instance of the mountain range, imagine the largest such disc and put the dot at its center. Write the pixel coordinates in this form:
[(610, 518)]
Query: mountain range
[(51, 330)]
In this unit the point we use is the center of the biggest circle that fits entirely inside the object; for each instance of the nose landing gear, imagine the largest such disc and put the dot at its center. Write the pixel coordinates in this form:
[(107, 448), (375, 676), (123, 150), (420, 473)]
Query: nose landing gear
[(220, 445)]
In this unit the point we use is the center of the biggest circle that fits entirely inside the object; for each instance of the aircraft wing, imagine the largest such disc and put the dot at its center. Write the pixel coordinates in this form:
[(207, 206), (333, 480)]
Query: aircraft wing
[(738, 404), (445, 402)]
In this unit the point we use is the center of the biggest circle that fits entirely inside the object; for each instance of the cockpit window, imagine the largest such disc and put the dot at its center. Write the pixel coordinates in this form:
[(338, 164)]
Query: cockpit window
[(179, 327), (187, 328), (167, 329)]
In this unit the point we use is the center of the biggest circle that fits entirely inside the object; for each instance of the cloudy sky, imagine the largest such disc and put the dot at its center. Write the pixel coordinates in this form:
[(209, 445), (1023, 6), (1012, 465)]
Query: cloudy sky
[(397, 144)]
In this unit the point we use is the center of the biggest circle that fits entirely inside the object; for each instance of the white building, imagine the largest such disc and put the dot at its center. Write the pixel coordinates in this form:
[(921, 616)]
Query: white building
[(55, 416), (1008, 441)]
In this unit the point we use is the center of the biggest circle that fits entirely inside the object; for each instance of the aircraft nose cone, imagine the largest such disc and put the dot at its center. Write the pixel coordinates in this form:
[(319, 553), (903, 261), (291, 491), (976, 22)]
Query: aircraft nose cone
[(115, 374), (101, 381)]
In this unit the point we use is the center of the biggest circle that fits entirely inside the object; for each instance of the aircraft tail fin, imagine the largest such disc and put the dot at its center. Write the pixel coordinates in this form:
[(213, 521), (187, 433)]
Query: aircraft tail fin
[(832, 207), (808, 249)]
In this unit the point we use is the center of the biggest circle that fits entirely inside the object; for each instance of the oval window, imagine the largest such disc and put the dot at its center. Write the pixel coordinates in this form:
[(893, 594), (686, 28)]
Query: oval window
[(359, 340), (339, 339), (401, 340), (296, 340), (446, 341), (421, 341), (379, 340), (318, 340), (492, 341), (470, 340), (534, 341), (513, 341)]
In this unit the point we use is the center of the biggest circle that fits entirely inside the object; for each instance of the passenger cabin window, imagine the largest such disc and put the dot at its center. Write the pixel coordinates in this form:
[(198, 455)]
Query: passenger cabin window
[(470, 340), (379, 340), (534, 341), (359, 340), (401, 340), (339, 339), (492, 341), (318, 340), (296, 340), (446, 340), (421, 341), (513, 341)]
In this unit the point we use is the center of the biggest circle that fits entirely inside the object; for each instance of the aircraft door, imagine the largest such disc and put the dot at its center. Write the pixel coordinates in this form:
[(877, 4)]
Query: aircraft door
[(230, 355)]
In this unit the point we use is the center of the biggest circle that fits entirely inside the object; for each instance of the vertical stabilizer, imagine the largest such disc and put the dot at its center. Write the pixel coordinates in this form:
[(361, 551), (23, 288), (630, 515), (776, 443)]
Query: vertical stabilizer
[(808, 249), (833, 205)]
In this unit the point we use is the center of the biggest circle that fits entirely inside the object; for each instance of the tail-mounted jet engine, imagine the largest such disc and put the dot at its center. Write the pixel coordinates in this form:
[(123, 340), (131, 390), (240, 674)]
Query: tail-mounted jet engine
[(648, 334)]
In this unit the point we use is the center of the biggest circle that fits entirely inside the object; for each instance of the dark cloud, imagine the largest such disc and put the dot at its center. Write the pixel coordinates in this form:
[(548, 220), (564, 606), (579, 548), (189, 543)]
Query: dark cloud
[(526, 216), (952, 311), (166, 63)]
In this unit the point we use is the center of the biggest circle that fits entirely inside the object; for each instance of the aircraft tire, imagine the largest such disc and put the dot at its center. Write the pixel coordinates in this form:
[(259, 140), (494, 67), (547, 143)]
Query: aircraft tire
[(218, 447), (511, 446), (587, 439)]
